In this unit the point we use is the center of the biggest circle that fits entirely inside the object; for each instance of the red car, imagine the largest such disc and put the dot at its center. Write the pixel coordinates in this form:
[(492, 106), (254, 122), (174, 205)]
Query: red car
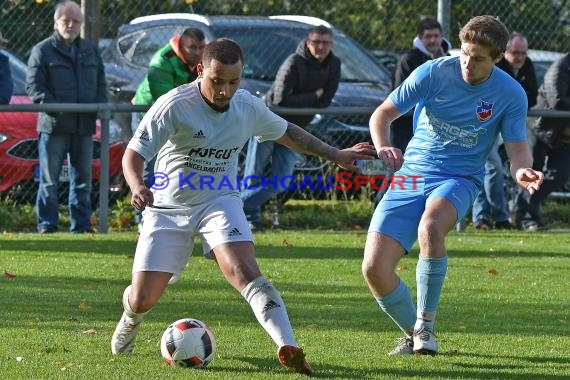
[(19, 165)]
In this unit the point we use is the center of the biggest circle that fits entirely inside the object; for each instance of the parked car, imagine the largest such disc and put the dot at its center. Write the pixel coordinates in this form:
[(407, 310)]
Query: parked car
[(266, 42), (388, 58), (19, 165)]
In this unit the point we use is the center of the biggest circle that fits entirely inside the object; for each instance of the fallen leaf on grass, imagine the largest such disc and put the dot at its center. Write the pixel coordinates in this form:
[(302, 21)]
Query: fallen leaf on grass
[(90, 331), (285, 243), (493, 271), (403, 267), (84, 306), (9, 276)]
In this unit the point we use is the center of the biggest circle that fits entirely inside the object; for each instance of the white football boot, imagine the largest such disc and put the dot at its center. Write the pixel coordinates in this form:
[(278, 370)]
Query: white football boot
[(404, 346), (123, 340)]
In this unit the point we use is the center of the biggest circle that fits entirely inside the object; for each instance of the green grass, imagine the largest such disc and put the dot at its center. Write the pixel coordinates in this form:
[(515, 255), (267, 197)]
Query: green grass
[(503, 314)]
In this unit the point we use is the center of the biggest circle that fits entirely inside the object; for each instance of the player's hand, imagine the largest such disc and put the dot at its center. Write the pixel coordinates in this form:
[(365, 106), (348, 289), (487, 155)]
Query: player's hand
[(141, 197), (361, 151), (392, 157), (529, 179)]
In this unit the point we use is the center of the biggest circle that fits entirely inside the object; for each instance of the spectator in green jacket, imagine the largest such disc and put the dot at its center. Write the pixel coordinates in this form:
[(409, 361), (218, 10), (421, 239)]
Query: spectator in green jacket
[(173, 65)]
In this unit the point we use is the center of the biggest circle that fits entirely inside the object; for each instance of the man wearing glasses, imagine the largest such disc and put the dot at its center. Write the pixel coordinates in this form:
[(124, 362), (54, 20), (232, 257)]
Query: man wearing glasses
[(519, 66), (307, 78), (491, 203)]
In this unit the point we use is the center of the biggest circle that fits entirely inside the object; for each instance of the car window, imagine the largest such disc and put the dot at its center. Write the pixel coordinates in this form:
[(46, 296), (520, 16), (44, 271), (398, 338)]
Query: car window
[(139, 47), (357, 65), (263, 59), (540, 68)]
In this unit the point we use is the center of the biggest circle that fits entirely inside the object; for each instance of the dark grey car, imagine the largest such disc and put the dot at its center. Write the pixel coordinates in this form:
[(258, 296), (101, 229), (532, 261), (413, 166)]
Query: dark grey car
[(266, 42)]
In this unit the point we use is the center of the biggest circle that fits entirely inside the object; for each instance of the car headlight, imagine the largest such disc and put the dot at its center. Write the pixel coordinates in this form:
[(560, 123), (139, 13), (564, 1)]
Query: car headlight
[(317, 119)]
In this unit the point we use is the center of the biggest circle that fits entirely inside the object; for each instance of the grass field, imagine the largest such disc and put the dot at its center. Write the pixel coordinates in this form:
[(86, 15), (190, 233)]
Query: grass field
[(504, 312)]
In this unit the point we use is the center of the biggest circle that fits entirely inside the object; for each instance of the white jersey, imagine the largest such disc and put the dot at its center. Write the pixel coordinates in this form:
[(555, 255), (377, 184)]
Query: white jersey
[(198, 147)]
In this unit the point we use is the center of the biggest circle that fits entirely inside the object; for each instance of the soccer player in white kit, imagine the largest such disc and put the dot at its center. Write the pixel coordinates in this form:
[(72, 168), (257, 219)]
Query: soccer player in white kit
[(197, 131), (461, 105)]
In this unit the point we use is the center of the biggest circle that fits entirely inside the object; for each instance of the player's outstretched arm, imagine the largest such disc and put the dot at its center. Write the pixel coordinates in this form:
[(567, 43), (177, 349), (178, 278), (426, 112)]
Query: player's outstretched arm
[(521, 166), (302, 141)]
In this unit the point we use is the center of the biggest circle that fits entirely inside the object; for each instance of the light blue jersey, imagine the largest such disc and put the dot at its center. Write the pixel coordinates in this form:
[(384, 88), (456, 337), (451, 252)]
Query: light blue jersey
[(455, 127), (456, 123)]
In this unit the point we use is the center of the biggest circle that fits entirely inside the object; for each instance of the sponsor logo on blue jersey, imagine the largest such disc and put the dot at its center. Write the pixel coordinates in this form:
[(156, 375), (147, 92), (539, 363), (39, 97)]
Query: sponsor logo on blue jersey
[(484, 110)]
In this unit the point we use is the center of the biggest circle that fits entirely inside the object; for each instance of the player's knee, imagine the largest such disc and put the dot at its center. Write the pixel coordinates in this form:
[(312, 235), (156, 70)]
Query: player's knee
[(430, 230), (374, 270)]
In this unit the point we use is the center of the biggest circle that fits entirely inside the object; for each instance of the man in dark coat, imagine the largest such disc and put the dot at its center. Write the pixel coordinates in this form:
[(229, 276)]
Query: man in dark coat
[(65, 68), (6, 82), (427, 44), (491, 203), (517, 64), (307, 78), (549, 140)]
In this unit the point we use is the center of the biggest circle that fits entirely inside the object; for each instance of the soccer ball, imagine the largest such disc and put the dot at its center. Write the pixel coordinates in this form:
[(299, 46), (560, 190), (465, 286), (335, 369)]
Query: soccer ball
[(188, 343)]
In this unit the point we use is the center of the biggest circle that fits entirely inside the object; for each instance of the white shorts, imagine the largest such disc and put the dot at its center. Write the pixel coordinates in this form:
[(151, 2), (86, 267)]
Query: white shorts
[(166, 239)]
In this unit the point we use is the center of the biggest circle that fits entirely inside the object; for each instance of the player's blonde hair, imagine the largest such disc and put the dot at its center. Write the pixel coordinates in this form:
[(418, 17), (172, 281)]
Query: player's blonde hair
[(486, 31)]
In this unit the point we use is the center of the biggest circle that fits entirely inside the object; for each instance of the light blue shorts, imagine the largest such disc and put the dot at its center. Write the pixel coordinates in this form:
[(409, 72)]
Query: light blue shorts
[(399, 212)]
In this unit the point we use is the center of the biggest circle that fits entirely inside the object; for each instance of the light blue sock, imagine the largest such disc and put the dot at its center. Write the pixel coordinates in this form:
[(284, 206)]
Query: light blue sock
[(430, 275), (400, 307)]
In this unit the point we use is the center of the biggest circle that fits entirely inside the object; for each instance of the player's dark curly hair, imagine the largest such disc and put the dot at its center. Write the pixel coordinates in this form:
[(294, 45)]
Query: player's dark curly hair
[(224, 50), (486, 31)]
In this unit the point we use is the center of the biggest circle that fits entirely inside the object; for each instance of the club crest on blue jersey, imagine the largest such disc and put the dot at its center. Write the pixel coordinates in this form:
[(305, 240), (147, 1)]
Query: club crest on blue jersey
[(484, 110)]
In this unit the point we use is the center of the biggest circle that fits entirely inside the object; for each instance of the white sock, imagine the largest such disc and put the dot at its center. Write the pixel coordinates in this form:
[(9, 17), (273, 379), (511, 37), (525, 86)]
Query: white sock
[(135, 317), (270, 311), (425, 319)]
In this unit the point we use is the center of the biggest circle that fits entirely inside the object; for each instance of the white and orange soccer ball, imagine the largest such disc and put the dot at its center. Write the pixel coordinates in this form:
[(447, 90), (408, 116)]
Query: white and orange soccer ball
[(188, 343)]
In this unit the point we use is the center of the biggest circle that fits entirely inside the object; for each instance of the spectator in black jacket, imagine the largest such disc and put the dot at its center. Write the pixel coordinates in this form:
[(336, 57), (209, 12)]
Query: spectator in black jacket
[(491, 202), (307, 78), (549, 140), (65, 68), (6, 83), (429, 43), (519, 66)]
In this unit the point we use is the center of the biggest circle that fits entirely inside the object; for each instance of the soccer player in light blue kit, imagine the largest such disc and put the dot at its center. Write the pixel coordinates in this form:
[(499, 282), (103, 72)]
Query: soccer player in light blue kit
[(462, 104)]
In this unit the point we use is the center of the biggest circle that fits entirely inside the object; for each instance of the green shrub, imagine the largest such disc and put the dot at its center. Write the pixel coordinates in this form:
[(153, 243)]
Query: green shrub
[(332, 214)]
